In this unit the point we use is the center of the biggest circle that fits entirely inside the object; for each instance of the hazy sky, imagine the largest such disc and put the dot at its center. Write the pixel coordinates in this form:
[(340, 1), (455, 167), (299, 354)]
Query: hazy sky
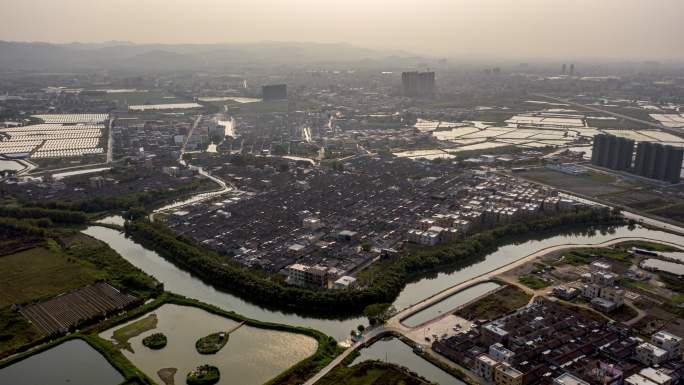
[(635, 29)]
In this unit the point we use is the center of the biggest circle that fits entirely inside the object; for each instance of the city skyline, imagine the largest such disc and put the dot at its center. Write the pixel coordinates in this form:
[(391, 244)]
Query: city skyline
[(466, 29)]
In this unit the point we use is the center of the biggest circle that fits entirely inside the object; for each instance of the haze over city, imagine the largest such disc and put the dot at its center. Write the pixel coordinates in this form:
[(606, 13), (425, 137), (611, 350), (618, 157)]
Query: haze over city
[(357, 192), (461, 29)]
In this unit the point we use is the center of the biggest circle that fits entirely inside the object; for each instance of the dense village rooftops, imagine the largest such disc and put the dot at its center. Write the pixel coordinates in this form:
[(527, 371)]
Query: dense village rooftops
[(652, 349), (493, 328), (666, 337), (656, 375), (568, 379), (637, 379), (509, 371), (345, 281), (499, 352), (599, 265), (489, 361), (296, 247)]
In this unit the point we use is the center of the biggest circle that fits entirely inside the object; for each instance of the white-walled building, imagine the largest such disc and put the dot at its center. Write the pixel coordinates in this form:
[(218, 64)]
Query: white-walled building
[(669, 342)]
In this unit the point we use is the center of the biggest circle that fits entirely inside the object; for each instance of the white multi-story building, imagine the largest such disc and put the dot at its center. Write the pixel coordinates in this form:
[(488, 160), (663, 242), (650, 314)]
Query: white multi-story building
[(602, 291), (498, 352), (613, 294), (312, 223), (485, 367), (657, 376), (303, 275), (568, 379), (650, 355), (345, 282), (603, 278), (638, 379), (669, 342)]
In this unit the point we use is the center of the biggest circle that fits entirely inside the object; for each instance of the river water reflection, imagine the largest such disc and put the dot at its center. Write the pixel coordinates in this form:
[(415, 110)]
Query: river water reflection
[(73, 362), (448, 304), (182, 282), (394, 351), (253, 355)]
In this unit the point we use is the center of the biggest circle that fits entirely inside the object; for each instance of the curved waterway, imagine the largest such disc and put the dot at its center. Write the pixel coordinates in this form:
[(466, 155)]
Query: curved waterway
[(182, 282), (449, 304), (394, 351), (253, 355), (73, 362), (504, 255)]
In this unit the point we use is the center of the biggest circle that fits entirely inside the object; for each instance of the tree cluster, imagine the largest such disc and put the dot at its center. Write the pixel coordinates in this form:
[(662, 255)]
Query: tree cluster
[(386, 285)]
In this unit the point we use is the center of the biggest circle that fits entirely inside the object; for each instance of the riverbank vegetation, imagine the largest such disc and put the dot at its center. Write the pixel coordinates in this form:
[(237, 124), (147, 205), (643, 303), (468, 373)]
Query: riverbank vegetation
[(144, 199), (155, 341), (203, 375), (134, 329), (327, 349), (388, 277), (42, 255), (371, 373), (212, 343)]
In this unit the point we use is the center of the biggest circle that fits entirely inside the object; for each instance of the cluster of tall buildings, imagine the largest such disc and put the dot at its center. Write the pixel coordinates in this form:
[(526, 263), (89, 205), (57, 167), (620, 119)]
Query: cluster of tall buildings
[(274, 92), (653, 160), (565, 68), (612, 152), (657, 161), (418, 83)]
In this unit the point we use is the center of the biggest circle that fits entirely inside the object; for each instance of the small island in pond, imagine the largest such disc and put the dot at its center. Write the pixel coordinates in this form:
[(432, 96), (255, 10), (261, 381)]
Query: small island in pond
[(203, 375), (212, 343), (155, 341)]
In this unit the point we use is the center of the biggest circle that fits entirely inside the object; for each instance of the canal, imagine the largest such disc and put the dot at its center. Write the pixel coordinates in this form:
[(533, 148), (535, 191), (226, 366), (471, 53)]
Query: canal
[(449, 304), (73, 362), (394, 351), (182, 282)]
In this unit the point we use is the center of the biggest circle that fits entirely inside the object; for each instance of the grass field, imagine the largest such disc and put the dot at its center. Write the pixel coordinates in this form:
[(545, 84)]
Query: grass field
[(585, 256), (70, 261), (629, 193), (623, 313), (496, 304), (39, 273), (122, 335), (592, 184), (15, 330), (532, 282), (370, 373)]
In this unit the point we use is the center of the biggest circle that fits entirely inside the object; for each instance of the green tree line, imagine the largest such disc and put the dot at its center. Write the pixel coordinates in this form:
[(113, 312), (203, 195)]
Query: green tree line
[(54, 215), (386, 284), (145, 199)]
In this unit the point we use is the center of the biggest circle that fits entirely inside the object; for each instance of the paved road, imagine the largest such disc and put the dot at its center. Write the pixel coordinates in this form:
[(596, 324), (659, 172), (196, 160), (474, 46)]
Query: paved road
[(394, 324), (370, 334), (223, 186), (639, 218), (110, 142), (187, 138), (395, 321)]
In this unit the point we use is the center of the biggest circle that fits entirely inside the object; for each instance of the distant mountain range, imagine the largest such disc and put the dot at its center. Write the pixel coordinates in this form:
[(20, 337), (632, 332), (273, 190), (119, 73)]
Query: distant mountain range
[(174, 57)]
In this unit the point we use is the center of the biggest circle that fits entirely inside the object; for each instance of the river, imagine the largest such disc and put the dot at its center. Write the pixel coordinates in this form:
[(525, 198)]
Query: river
[(394, 351), (449, 304), (182, 282), (73, 362)]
